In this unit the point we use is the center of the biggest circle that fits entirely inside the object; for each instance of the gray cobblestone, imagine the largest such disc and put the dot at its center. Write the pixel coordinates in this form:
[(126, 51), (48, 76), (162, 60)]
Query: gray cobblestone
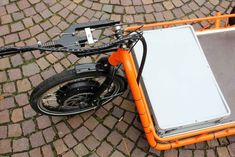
[(114, 129)]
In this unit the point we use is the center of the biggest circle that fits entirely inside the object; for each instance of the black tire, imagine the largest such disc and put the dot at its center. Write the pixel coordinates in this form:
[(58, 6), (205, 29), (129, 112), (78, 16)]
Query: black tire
[(36, 98)]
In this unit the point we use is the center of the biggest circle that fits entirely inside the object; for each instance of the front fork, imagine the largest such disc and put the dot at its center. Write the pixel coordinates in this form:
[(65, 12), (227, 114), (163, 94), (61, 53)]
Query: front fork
[(105, 66), (102, 66)]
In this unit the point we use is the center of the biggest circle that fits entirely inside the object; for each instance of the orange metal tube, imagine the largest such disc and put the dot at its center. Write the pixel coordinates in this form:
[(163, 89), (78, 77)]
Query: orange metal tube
[(180, 136), (120, 56), (153, 139), (226, 132), (124, 57), (192, 140), (152, 25), (218, 20)]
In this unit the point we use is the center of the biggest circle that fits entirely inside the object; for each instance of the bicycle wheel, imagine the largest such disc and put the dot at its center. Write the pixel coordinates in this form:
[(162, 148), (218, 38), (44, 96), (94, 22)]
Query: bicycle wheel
[(69, 93)]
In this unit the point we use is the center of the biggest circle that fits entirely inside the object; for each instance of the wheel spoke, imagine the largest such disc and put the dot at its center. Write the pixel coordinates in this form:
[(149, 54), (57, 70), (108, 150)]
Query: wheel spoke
[(63, 98)]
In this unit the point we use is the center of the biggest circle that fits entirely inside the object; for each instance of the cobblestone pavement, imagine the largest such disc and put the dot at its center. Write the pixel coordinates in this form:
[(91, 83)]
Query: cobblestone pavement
[(114, 130)]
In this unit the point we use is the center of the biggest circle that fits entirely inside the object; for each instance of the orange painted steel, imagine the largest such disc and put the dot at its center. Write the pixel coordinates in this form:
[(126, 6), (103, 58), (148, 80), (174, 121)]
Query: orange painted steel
[(125, 57), (218, 20), (176, 22)]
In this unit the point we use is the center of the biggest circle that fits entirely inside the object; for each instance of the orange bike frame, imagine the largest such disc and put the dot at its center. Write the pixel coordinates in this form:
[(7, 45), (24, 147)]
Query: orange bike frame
[(124, 57)]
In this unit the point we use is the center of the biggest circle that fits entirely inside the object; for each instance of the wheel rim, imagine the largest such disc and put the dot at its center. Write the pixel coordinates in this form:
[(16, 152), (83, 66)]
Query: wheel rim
[(48, 101)]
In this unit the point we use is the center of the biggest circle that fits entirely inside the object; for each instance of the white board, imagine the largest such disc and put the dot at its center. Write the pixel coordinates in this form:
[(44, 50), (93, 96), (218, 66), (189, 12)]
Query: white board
[(181, 87)]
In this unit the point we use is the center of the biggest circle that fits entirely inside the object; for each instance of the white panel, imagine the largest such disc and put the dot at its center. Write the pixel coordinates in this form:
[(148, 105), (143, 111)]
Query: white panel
[(179, 82)]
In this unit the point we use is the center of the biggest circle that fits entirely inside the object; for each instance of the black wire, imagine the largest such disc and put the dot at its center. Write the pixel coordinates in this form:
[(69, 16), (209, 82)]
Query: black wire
[(144, 52), (131, 31), (135, 44), (143, 59), (138, 39), (117, 68)]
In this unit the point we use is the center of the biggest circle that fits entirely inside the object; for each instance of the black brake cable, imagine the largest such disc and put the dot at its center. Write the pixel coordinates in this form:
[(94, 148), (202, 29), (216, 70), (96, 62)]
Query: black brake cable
[(143, 59), (142, 39), (141, 67)]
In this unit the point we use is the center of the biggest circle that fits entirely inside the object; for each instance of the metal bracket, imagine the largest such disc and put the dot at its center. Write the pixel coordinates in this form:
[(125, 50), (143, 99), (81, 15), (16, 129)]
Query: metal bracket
[(85, 67), (69, 38)]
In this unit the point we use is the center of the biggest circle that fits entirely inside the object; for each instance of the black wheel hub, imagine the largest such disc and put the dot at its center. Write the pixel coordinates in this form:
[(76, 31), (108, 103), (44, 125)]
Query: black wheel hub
[(77, 94)]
